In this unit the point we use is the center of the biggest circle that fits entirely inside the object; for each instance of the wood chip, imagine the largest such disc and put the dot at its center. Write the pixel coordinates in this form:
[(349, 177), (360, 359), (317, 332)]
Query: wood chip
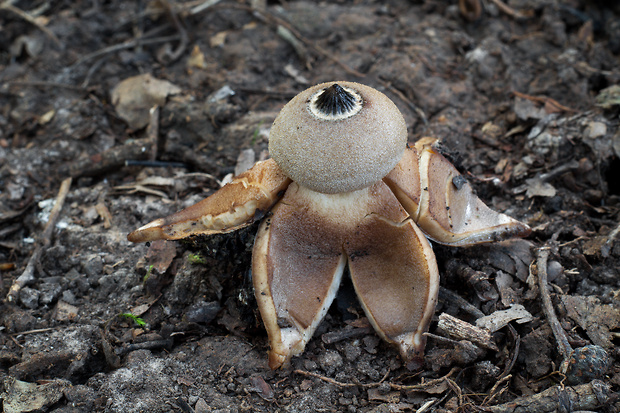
[(461, 330)]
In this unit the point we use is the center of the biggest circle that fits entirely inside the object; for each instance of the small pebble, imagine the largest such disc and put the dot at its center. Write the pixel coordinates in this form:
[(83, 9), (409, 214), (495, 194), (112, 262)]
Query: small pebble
[(29, 297), (203, 312), (595, 130), (330, 360)]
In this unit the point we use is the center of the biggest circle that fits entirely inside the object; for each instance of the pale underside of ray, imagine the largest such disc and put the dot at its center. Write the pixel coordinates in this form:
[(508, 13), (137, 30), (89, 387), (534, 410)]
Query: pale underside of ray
[(443, 204), (300, 253)]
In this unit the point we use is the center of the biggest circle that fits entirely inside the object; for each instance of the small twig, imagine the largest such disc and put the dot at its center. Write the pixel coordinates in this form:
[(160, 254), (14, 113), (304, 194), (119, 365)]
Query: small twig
[(332, 381), (9, 7), (111, 159), (146, 345), (509, 10), (36, 83), (546, 100), (203, 6), (297, 44), (345, 334), (515, 352), (563, 168), (405, 99), (152, 132), (441, 339), (470, 9), (588, 396), (560, 335), (317, 49), (415, 387), (172, 56), (606, 247), (92, 70), (28, 275), (122, 46), (493, 393), (426, 384), (275, 22), (35, 331), (458, 301), (462, 330)]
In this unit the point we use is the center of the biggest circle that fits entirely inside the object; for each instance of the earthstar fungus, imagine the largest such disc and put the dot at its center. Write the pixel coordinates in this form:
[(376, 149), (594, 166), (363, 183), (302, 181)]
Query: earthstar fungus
[(344, 190)]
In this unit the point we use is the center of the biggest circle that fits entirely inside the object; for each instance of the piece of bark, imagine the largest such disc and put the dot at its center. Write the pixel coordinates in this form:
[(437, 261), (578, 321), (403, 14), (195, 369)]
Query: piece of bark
[(461, 330), (583, 397)]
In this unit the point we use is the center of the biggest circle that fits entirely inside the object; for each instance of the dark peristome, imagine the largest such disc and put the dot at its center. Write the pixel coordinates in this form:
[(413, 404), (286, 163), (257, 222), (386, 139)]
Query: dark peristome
[(335, 101)]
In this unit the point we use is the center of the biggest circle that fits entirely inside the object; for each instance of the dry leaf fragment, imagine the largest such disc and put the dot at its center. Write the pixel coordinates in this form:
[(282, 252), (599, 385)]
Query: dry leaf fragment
[(500, 319), (615, 143), (196, 59), (218, 39), (595, 318), (47, 117), (535, 187), (33, 45), (134, 97), (104, 213), (376, 394), (20, 396), (263, 388), (508, 290), (160, 255), (513, 257), (608, 97)]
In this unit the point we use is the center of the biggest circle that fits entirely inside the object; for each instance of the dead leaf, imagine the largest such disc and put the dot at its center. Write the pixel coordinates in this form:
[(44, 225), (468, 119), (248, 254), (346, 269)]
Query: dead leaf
[(526, 109), (65, 311), (218, 39), (595, 318), (33, 45), (196, 59), (160, 255), (104, 213), (134, 97), (535, 187), (47, 117), (595, 129), (377, 394), (20, 396), (263, 388), (608, 97), (500, 319), (508, 291), (140, 309), (592, 246), (513, 257), (186, 381)]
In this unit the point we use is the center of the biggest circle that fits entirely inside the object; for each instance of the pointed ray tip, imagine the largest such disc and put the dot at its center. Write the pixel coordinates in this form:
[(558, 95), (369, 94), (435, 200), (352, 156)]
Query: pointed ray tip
[(149, 232)]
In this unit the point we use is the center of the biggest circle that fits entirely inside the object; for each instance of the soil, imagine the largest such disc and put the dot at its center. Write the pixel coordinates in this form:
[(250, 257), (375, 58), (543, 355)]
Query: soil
[(521, 94)]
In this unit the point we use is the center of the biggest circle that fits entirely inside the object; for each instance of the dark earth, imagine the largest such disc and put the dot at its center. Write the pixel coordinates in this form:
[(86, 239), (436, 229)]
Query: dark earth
[(523, 95)]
